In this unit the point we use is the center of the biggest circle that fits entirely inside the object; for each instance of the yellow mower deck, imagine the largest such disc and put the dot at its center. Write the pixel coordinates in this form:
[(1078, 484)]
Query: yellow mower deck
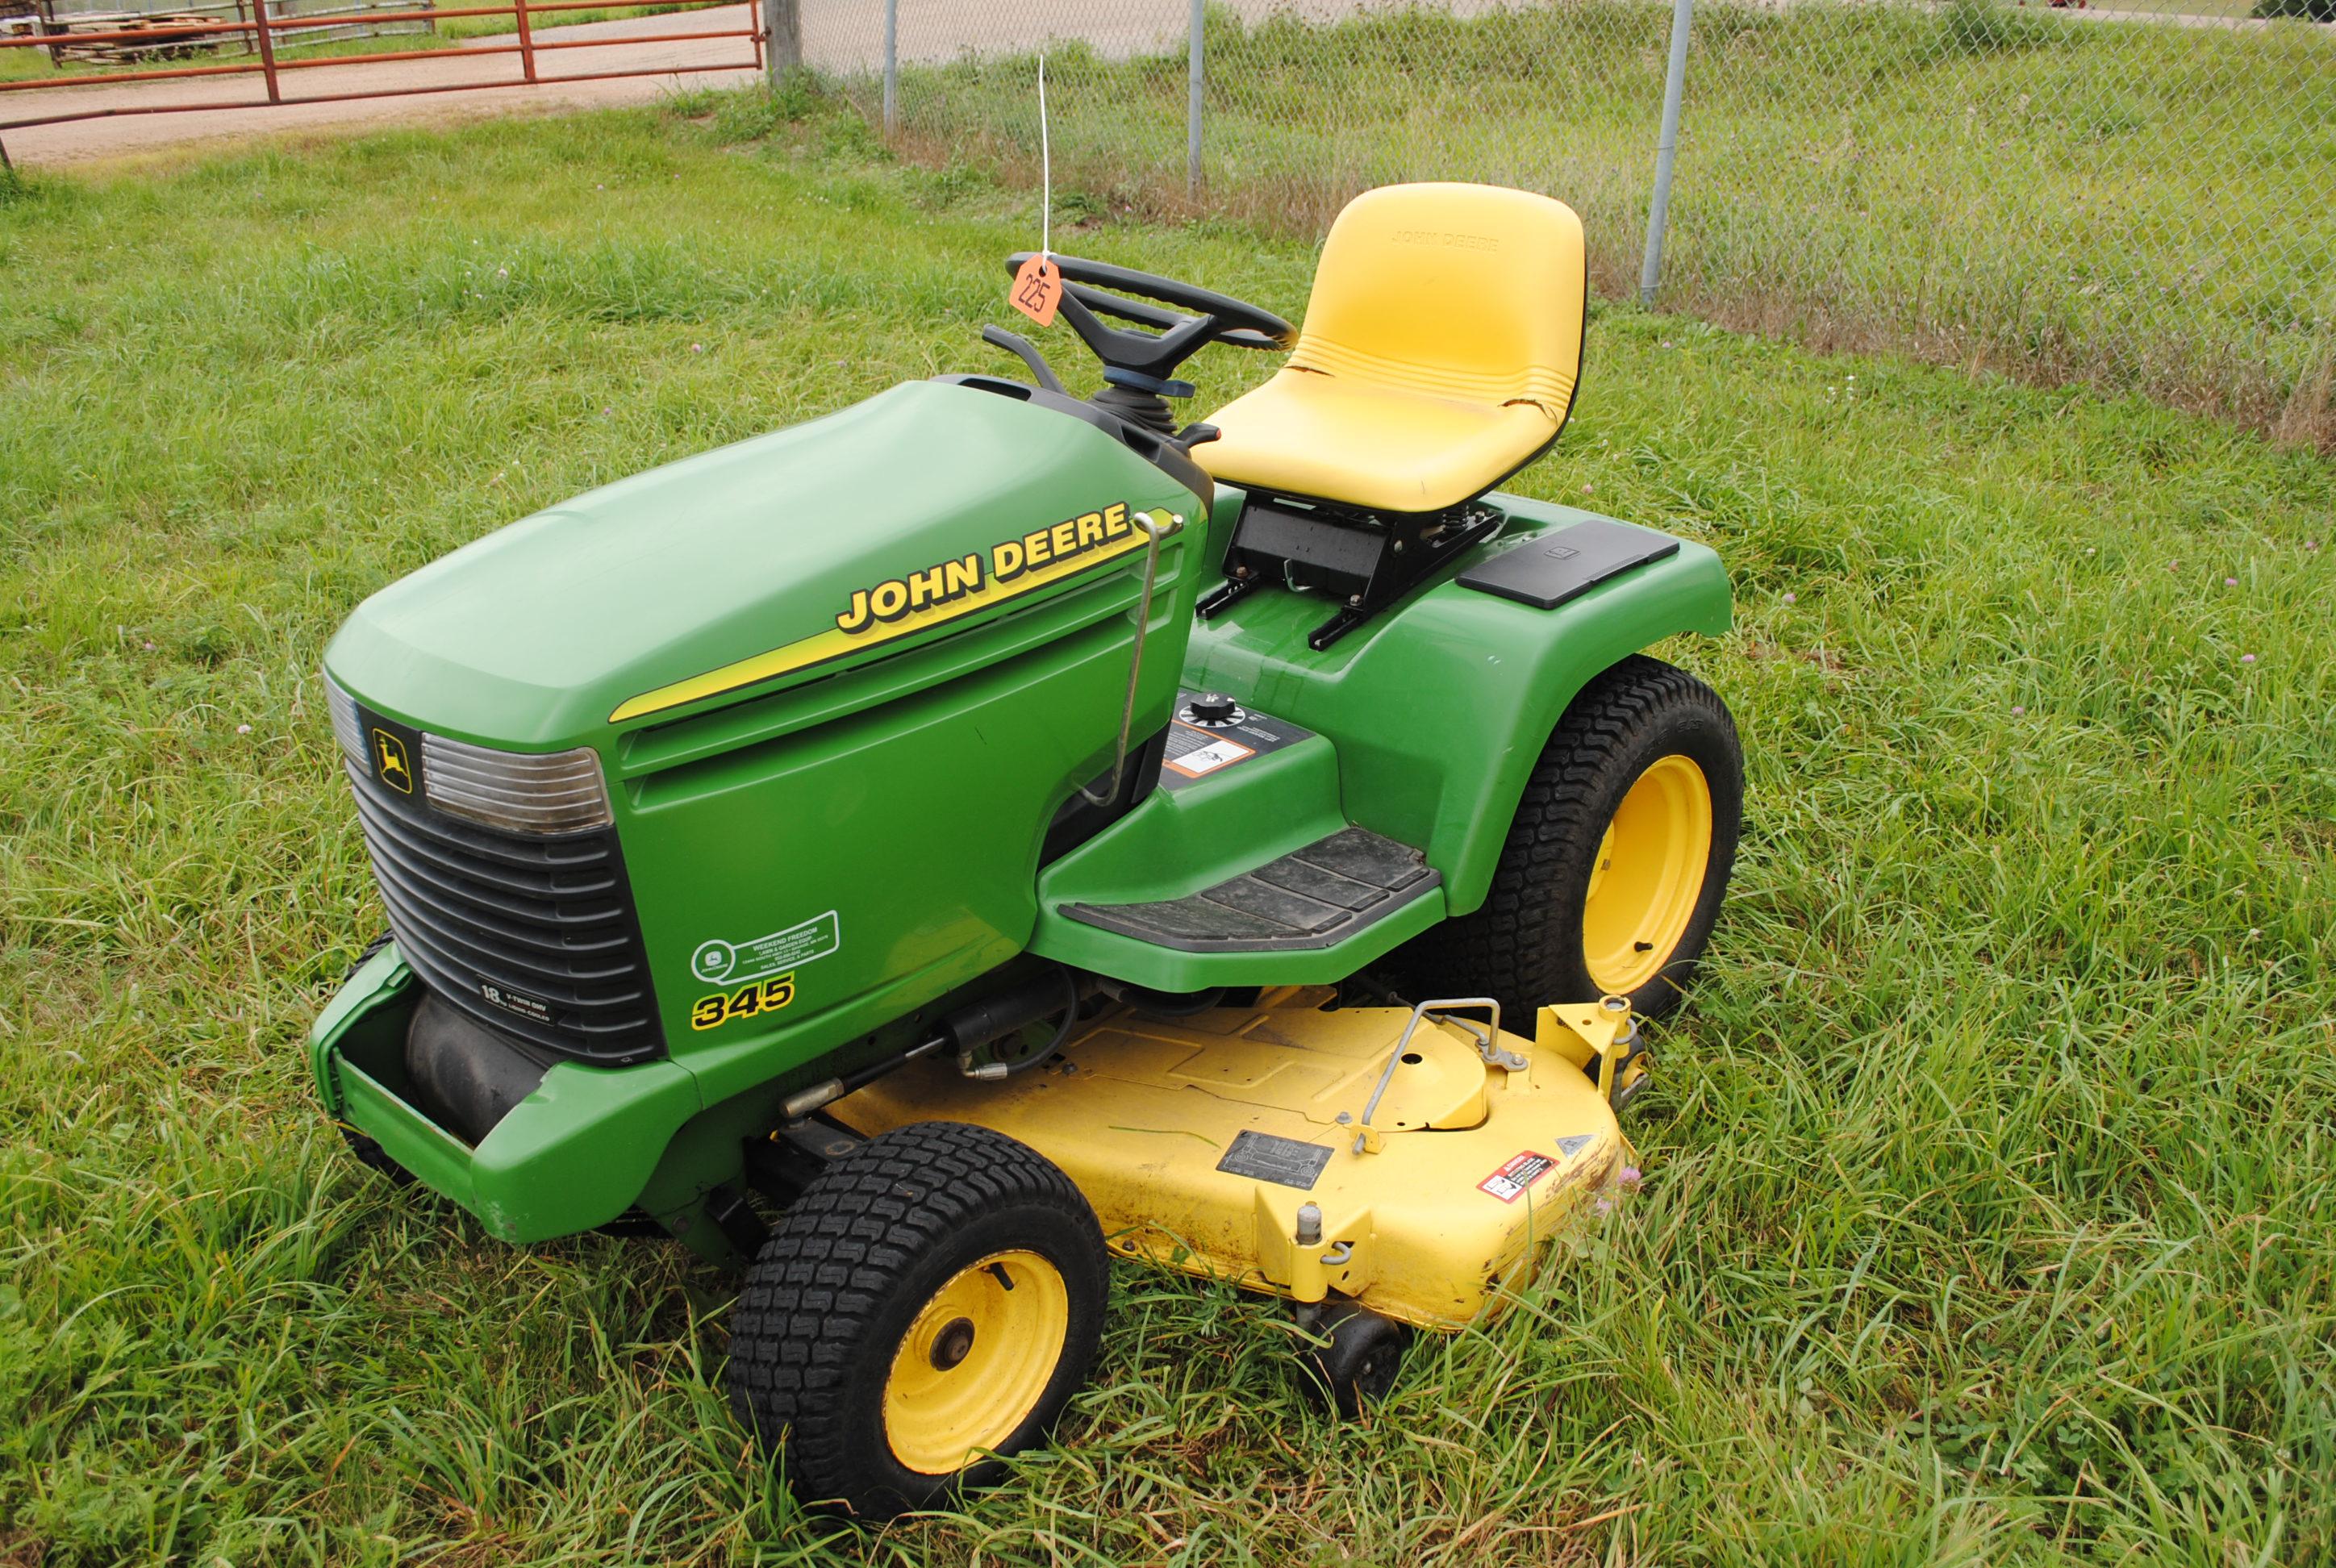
[(1199, 1140)]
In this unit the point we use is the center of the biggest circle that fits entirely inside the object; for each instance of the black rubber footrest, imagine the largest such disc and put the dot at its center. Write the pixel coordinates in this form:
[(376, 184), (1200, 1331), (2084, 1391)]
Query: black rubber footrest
[(1545, 572), (1314, 898)]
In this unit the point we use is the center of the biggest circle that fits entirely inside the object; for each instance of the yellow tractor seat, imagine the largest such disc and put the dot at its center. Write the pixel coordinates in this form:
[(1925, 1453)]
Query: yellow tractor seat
[(1438, 354)]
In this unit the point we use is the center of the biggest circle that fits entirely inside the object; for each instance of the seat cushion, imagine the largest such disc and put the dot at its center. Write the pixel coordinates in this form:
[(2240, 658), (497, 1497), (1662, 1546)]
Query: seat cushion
[(1439, 353), (1369, 445)]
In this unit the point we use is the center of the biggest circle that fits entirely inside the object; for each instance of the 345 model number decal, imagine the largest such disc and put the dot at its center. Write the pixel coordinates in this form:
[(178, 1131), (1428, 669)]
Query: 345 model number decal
[(745, 1002)]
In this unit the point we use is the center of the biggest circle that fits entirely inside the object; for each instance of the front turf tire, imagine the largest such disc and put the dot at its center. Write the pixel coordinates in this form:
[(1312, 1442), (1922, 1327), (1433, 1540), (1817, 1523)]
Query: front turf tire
[(1612, 874), (927, 1306)]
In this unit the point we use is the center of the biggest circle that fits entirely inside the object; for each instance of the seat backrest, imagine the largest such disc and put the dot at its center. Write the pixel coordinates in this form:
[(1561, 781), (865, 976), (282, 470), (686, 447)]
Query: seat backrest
[(1471, 292)]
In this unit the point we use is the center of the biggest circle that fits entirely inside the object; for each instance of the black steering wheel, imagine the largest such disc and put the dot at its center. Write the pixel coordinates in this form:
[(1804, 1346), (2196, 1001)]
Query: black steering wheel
[(1144, 360)]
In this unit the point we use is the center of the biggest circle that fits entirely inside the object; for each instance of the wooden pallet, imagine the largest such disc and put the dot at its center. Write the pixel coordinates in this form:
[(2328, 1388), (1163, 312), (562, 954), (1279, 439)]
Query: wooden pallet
[(197, 35)]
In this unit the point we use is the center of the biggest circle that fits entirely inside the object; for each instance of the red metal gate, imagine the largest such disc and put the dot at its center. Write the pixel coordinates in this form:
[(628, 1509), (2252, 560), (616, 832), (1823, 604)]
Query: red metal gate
[(159, 35)]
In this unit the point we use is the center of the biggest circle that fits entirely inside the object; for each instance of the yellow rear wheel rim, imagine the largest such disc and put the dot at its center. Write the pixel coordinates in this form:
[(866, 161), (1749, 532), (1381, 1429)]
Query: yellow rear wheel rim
[(977, 1361), (1649, 875)]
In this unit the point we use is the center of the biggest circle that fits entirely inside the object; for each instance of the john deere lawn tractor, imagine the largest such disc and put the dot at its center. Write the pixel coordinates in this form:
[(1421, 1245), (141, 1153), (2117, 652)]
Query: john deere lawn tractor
[(924, 853)]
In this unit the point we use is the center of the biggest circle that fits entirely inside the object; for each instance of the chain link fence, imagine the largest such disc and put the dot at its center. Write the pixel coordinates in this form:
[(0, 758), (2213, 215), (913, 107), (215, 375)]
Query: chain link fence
[(2140, 194)]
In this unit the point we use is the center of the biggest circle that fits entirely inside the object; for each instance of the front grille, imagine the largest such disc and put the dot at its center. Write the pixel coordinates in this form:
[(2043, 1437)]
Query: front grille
[(534, 936)]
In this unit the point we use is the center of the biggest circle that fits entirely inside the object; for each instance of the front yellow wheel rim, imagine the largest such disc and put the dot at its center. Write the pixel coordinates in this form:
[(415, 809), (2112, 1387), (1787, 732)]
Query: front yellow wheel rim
[(1648, 876), (977, 1361)]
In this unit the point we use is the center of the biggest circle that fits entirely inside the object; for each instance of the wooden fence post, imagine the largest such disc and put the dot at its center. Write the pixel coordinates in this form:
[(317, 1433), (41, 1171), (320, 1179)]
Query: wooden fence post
[(783, 40)]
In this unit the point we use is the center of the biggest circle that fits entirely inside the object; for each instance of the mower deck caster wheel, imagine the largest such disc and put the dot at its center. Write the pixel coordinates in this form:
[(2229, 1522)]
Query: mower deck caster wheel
[(1359, 1365), (927, 1306)]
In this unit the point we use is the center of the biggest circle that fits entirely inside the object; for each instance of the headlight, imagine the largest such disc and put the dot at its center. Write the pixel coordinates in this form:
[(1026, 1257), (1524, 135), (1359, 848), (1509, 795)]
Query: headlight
[(523, 792), (560, 793), (344, 709)]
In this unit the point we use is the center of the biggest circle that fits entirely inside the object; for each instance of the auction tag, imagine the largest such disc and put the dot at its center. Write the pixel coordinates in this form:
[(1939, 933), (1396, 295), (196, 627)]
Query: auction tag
[(1038, 290)]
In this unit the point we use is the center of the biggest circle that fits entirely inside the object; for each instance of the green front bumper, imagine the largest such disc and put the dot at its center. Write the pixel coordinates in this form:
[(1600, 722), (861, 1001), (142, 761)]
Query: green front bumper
[(575, 1154)]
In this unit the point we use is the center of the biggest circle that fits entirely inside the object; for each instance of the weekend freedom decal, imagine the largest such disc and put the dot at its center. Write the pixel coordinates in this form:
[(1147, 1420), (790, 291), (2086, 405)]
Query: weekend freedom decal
[(718, 962)]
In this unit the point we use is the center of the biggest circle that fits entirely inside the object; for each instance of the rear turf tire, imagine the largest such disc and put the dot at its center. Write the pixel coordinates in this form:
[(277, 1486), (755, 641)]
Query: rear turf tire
[(927, 1306), (1647, 751)]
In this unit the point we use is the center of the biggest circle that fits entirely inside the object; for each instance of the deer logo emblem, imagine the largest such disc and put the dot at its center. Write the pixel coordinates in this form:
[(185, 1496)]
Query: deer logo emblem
[(389, 762)]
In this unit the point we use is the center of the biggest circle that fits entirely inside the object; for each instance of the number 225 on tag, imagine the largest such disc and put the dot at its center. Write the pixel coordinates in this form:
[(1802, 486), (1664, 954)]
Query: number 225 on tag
[(1038, 290)]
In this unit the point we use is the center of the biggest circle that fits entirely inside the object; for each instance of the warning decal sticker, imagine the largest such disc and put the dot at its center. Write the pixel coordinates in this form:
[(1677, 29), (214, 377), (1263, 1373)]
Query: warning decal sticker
[(1509, 1183), (1205, 759), (1198, 749)]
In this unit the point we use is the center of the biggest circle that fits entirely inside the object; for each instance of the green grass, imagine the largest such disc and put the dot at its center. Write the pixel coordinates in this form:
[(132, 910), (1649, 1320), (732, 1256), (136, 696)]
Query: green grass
[(454, 29), (490, 27), (1988, 1211), (15, 64), (2162, 10), (2138, 205)]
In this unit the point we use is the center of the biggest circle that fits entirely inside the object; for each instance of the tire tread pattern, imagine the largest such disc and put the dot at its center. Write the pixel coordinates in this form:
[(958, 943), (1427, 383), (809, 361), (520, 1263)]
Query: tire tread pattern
[(1503, 948), (844, 1254)]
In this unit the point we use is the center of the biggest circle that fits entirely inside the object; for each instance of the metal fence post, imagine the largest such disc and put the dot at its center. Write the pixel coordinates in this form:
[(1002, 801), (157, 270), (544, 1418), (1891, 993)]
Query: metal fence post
[(1196, 77), (891, 67), (1666, 150), (782, 37), (266, 51), (526, 41)]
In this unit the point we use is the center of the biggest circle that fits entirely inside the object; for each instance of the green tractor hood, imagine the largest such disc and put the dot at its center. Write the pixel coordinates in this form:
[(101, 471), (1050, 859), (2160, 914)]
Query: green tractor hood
[(783, 555)]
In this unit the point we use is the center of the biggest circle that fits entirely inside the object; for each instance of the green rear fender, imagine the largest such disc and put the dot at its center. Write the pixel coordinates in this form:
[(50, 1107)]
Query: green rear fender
[(1440, 712)]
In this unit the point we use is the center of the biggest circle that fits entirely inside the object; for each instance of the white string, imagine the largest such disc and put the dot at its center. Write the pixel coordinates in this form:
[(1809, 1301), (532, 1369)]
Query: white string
[(1045, 173)]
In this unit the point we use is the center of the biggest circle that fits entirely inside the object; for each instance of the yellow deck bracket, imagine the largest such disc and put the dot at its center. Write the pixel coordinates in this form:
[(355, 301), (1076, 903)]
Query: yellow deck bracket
[(1603, 1032), (1309, 1255)]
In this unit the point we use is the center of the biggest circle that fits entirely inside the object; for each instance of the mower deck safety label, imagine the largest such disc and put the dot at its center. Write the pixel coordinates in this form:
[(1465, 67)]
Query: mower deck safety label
[(717, 962), (1284, 1161), (1509, 1183)]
